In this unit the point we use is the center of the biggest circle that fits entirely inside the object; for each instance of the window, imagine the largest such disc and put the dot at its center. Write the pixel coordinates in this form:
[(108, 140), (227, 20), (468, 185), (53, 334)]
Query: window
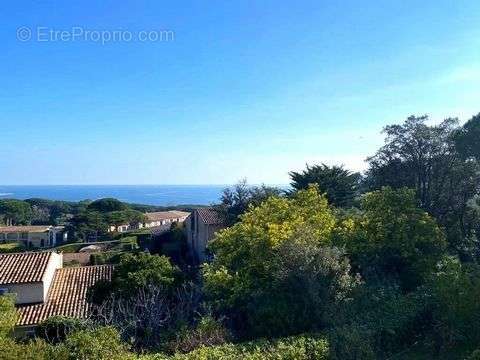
[(24, 235)]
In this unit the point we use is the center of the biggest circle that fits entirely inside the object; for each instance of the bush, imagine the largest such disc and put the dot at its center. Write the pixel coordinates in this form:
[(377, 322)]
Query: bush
[(293, 348), (56, 329), (32, 350), (208, 332), (99, 344), (350, 343), (8, 315), (455, 291), (475, 355), (136, 272), (308, 283), (108, 257), (387, 319)]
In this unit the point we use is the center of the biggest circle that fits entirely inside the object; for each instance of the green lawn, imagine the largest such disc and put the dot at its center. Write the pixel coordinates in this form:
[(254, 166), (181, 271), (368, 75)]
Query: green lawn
[(12, 247)]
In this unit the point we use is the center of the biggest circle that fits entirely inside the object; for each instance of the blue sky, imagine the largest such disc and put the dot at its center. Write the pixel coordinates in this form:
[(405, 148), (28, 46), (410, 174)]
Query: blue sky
[(248, 89)]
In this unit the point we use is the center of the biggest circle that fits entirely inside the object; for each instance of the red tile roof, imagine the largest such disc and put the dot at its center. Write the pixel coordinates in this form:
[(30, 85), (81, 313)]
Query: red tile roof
[(210, 216), (21, 268), (67, 294)]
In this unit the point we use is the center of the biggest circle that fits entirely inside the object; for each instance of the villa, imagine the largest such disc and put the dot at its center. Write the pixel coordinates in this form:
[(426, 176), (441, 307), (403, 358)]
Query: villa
[(154, 219), (164, 218), (42, 236), (43, 288)]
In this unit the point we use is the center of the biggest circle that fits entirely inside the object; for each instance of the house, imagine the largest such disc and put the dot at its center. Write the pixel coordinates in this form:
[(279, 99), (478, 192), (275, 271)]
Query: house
[(120, 228), (160, 218), (33, 236), (153, 219), (201, 226), (43, 288)]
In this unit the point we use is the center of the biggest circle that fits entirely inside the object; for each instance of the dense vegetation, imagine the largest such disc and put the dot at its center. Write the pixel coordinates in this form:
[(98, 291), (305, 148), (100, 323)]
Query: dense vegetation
[(385, 266)]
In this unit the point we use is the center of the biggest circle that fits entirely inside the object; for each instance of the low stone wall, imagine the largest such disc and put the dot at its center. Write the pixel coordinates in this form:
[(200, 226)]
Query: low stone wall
[(81, 258)]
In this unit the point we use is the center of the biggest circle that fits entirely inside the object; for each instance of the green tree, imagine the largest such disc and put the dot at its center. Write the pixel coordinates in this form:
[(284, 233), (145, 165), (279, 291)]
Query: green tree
[(15, 212), (246, 255), (135, 272), (116, 218), (339, 185), (467, 139), (88, 222), (393, 238), (426, 159), (308, 283), (236, 200), (107, 205), (454, 291)]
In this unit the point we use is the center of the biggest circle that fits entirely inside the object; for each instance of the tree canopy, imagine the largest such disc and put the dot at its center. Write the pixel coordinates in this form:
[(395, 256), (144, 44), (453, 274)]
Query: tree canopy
[(247, 254), (468, 139), (107, 205), (392, 237), (425, 158), (15, 212), (136, 272), (237, 199), (338, 184)]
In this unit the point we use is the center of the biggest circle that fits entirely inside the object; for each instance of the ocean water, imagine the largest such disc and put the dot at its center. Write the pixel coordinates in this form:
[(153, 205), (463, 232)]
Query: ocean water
[(163, 195)]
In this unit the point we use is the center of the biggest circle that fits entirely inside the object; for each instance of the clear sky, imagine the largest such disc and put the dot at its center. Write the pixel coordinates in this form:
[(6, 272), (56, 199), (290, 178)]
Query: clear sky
[(248, 89)]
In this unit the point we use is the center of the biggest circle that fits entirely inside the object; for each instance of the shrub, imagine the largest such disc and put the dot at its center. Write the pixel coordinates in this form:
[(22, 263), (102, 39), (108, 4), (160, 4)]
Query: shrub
[(56, 329), (208, 332), (8, 315), (350, 343), (32, 350), (136, 272), (293, 348), (455, 290), (308, 283), (108, 257), (475, 355), (98, 344), (389, 319)]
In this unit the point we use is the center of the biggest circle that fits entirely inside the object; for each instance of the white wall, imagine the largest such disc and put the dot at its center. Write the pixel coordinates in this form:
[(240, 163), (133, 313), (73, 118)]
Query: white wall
[(56, 262), (37, 292), (26, 293)]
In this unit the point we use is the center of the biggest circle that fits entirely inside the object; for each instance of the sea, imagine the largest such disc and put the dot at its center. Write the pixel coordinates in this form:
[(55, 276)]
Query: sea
[(161, 195)]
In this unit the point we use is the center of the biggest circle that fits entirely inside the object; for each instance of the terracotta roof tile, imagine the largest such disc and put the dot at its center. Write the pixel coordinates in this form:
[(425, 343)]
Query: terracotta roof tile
[(67, 295), (210, 216), (23, 267)]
